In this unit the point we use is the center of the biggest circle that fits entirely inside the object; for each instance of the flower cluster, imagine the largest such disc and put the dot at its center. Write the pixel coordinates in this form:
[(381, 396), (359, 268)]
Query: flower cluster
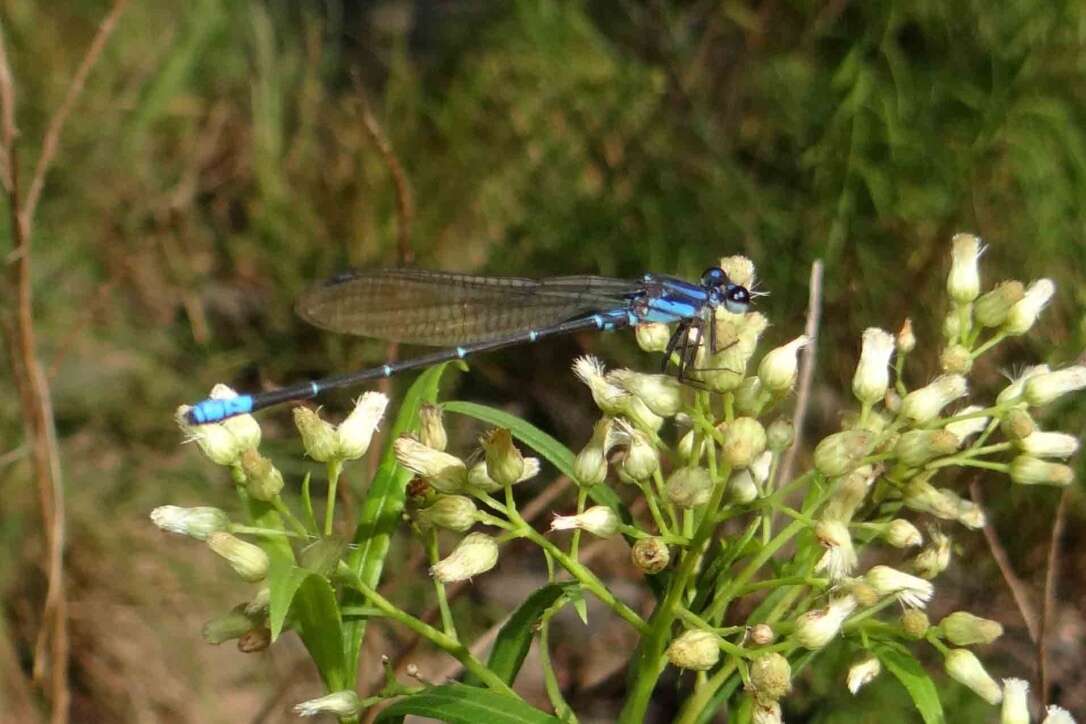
[(756, 567)]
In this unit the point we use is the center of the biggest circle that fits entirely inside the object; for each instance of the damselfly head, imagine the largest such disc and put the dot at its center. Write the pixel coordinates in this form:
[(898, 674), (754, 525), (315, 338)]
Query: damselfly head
[(734, 297)]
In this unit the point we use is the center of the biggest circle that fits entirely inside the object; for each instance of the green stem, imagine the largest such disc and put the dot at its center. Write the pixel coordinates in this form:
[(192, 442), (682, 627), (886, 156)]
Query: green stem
[(699, 699), (562, 708), (335, 467), (446, 643), (284, 511), (434, 555)]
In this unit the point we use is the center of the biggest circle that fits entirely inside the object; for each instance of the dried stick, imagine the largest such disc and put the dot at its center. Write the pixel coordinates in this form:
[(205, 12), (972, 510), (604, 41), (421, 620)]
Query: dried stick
[(1018, 589), (1049, 600), (806, 369), (30, 379)]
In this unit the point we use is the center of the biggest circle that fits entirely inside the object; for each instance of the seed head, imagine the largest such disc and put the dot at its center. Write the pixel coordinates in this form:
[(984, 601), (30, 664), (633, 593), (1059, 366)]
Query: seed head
[(650, 555), (872, 377), (965, 668), (477, 553)]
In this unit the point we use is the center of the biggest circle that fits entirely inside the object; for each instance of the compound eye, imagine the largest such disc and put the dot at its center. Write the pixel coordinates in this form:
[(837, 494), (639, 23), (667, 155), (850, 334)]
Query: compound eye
[(714, 276), (737, 299)]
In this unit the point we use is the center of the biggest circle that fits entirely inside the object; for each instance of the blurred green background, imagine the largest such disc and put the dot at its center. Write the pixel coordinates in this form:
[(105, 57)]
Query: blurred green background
[(218, 163)]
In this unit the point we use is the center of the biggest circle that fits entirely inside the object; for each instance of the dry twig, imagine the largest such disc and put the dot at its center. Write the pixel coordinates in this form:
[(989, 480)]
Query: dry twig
[(806, 370)]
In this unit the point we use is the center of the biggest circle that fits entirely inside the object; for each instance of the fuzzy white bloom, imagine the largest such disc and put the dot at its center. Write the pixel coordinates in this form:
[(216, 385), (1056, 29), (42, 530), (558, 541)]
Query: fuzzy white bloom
[(590, 465), (445, 472), (1049, 444), (963, 282), (599, 520), (964, 429), (1043, 389), (354, 434), (766, 712), (910, 590), (342, 704), (863, 672), (244, 427), (739, 269), (476, 553), (872, 377), (609, 397), (198, 523), (1015, 702), (1012, 393), (661, 393), (779, 367), (900, 533), (1025, 312), (1057, 715), (816, 628), (924, 404), (222, 442), (935, 558), (964, 667), (1028, 470), (641, 460), (839, 560), (695, 650)]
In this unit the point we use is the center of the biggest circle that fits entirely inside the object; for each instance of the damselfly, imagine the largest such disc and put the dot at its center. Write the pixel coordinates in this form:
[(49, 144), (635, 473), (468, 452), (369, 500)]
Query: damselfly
[(467, 314)]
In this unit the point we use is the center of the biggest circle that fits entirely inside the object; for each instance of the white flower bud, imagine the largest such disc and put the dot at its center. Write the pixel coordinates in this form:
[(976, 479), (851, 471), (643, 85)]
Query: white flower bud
[(504, 462), (816, 628), (921, 495), (689, 487), (963, 283), (780, 434), (925, 404), (964, 429), (914, 623), (741, 488), (1049, 445), (761, 467), (356, 432), (609, 397), (263, 481), (842, 452), (686, 450), (215, 440), (770, 677), (872, 377), (451, 512), (477, 553), (1045, 388), (244, 428), (652, 336), (906, 339), (590, 465), (840, 557), (661, 393), (1028, 470), (446, 473), (848, 493), (935, 558), (900, 533), (1057, 715), (726, 370), (779, 367), (766, 712), (599, 520), (916, 447), (478, 477), (1024, 313), (1012, 393), (956, 358), (862, 673), (249, 561), (744, 441), (965, 668), (1015, 702), (229, 626), (318, 436), (342, 704), (910, 590), (198, 523), (964, 629), (694, 650), (992, 308), (762, 634)]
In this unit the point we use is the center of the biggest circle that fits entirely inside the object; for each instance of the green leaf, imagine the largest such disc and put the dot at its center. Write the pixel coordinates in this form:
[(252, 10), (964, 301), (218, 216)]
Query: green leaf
[(515, 637), (899, 662), (382, 508), (316, 617), (461, 704)]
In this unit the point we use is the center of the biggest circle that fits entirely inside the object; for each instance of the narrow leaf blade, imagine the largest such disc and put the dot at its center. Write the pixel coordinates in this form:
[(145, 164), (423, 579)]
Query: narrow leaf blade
[(461, 704)]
